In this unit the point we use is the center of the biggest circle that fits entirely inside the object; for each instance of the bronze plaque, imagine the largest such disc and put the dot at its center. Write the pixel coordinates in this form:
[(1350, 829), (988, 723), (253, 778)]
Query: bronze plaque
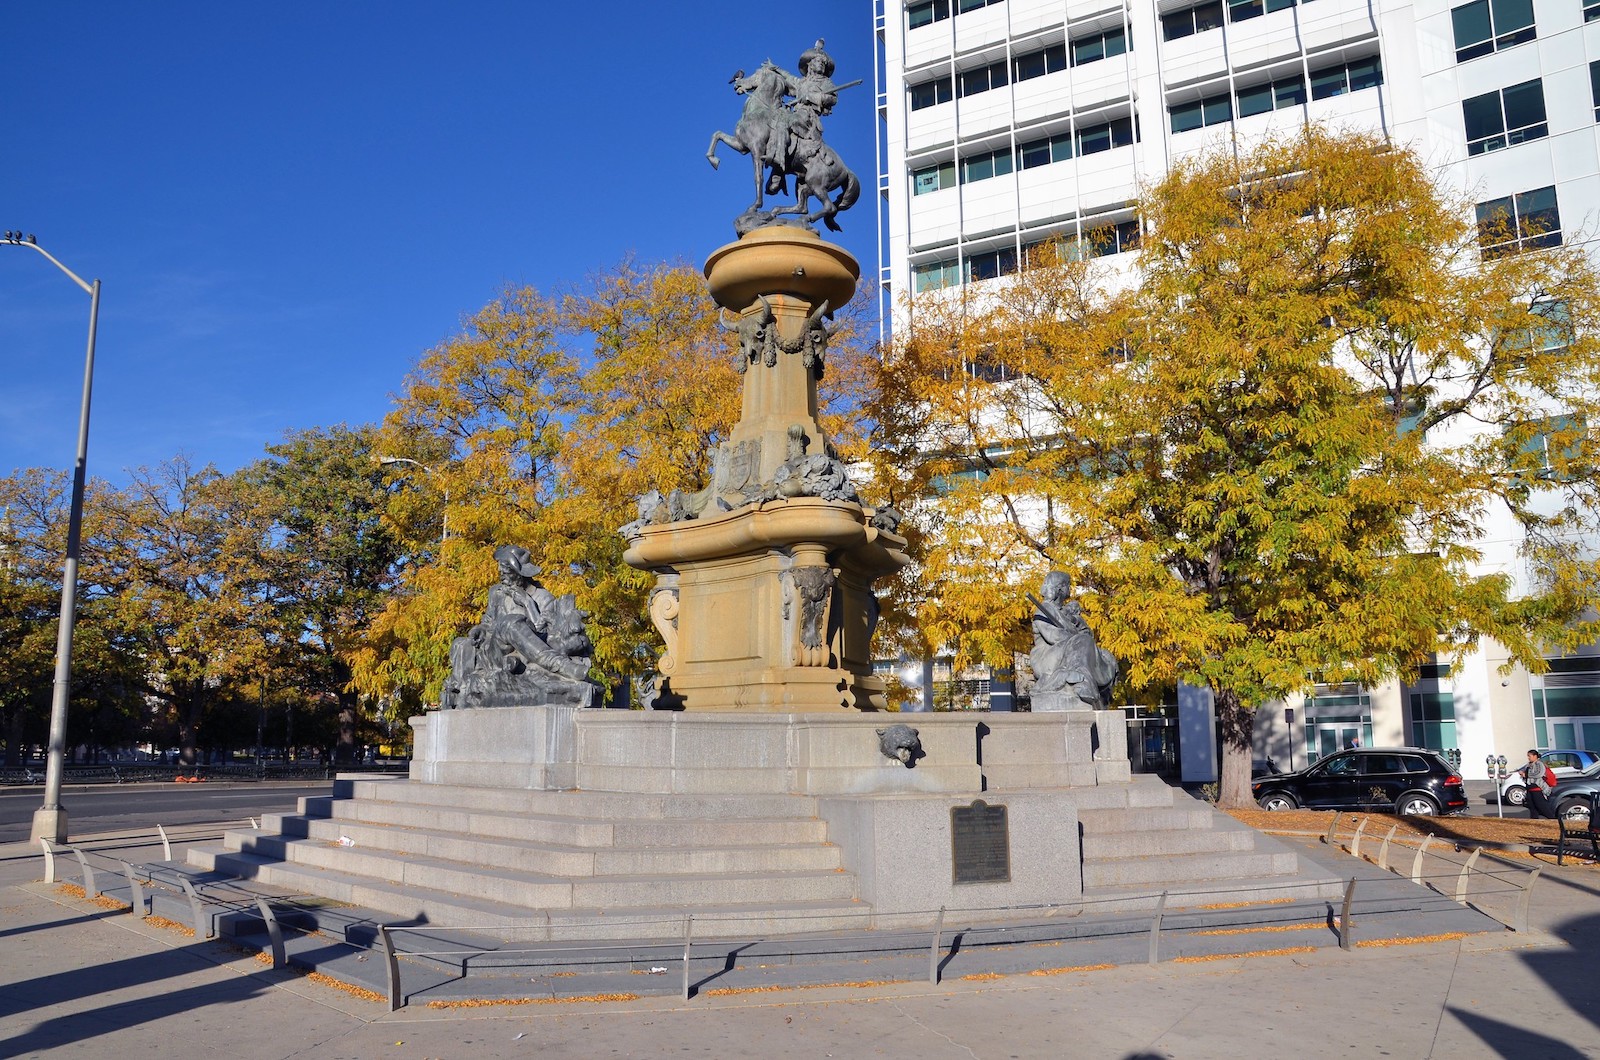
[(980, 844)]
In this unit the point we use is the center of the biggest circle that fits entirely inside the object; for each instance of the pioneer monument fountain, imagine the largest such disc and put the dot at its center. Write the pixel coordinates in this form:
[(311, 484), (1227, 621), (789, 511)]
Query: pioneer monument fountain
[(770, 790)]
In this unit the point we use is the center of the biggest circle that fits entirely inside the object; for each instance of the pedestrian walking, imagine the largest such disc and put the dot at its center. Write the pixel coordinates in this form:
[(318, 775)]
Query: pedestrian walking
[(1539, 778)]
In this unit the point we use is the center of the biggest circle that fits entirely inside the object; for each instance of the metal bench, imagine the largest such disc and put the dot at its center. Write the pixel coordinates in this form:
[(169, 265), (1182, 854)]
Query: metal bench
[(1573, 833)]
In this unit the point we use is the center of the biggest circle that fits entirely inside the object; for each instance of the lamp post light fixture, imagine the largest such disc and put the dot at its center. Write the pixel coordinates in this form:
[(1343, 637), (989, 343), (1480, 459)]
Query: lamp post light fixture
[(50, 820), (444, 520)]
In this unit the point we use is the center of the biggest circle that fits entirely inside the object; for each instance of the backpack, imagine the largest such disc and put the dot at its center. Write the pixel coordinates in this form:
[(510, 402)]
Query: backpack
[(1549, 778)]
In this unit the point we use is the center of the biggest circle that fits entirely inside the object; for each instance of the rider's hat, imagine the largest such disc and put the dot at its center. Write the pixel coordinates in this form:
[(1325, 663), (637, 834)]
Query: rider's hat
[(816, 52), (518, 559)]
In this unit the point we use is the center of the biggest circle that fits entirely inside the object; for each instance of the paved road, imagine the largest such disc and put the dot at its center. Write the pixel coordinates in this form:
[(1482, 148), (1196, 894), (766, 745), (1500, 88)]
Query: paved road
[(113, 807)]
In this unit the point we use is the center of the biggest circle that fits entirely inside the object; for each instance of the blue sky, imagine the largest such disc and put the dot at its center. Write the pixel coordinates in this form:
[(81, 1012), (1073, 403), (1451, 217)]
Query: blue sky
[(288, 203)]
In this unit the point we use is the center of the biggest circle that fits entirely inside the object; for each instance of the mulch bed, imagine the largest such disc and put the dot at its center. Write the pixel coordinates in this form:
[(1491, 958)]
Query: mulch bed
[(1492, 831)]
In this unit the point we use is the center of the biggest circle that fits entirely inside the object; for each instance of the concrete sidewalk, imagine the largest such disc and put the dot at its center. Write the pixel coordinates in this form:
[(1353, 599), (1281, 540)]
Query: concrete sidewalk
[(77, 979)]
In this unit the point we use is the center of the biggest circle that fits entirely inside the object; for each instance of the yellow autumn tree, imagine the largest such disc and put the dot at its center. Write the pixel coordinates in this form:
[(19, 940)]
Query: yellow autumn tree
[(541, 424), (1274, 454)]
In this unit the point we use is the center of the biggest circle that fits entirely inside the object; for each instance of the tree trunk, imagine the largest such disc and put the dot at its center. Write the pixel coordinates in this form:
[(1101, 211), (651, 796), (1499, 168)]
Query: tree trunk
[(344, 752), (189, 728), (1236, 725)]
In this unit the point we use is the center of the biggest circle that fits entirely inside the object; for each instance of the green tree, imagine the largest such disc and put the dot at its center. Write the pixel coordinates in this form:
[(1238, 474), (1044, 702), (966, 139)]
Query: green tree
[(325, 567)]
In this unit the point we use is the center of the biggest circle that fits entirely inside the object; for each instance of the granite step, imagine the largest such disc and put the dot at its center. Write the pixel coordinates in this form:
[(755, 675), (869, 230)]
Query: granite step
[(576, 827), (1187, 868), (555, 859), (1175, 818), (1102, 846), (658, 915), (543, 891), (603, 804)]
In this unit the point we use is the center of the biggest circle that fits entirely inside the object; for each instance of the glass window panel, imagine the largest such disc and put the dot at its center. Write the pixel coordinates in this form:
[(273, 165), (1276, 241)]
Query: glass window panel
[(1279, 5), (1511, 16), (1325, 83), (1002, 162), (1240, 10), (1030, 66), (1365, 73), (1093, 140), (1035, 154), (1471, 24), (1536, 212), (970, 5), (1591, 11), (1116, 43), (1061, 147), (1208, 16), (978, 168), (1256, 100), (1122, 132), (919, 15), (1055, 57), (1187, 116), (1091, 49), (997, 75), (1594, 80), (972, 82), (1524, 104), (1218, 109), (1179, 24), (924, 180), (1289, 92), (1482, 117), (1495, 224)]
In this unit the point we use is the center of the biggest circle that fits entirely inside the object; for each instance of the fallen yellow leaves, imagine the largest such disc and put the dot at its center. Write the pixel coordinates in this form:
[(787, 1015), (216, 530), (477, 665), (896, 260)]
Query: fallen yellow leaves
[(362, 992), (1242, 905), (1286, 951), (1415, 940), (1308, 926), (490, 1002), (1072, 968), (170, 925)]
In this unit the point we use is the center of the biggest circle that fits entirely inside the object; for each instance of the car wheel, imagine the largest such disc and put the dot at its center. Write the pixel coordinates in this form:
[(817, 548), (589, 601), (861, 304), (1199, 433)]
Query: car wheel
[(1278, 801), (1416, 805), (1574, 810), (1516, 796)]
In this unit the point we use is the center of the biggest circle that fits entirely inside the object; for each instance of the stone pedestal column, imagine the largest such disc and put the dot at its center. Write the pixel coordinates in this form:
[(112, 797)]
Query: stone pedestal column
[(765, 597)]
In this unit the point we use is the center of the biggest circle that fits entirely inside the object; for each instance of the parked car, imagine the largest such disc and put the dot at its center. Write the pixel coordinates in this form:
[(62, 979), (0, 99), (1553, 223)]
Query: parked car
[(1409, 779), (1566, 762), (1571, 794)]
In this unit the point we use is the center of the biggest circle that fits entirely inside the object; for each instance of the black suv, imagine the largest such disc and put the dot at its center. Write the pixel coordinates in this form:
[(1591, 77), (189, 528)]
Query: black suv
[(1572, 794), (1409, 779)]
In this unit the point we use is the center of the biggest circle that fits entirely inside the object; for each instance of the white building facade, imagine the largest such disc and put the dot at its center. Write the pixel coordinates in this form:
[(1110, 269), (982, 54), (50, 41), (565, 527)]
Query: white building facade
[(1007, 123)]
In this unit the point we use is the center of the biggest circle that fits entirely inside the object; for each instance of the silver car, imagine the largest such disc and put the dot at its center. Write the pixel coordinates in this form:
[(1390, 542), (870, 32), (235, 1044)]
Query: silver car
[(1565, 761)]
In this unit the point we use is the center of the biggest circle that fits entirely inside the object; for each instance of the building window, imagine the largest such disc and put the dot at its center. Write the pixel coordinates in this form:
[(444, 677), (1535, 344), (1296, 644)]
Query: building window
[(1240, 10), (1529, 220), (988, 265), (1549, 449), (927, 13), (1591, 10), (1057, 148), (1485, 26), (986, 165), (1274, 95), (1433, 720), (1191, 20), (933, 178), (1099, 46), (971, 82), (1594, 87), (1103, 136), (1213, 110), (1346, 77), (1097, 241), (1085, 140), (934, 275), (931, 93), (1509, 116), (1036, 64)]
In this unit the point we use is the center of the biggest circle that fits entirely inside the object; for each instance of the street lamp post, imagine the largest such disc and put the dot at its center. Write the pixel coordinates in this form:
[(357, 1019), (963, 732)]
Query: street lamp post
[(50, 820), (444, 520)]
